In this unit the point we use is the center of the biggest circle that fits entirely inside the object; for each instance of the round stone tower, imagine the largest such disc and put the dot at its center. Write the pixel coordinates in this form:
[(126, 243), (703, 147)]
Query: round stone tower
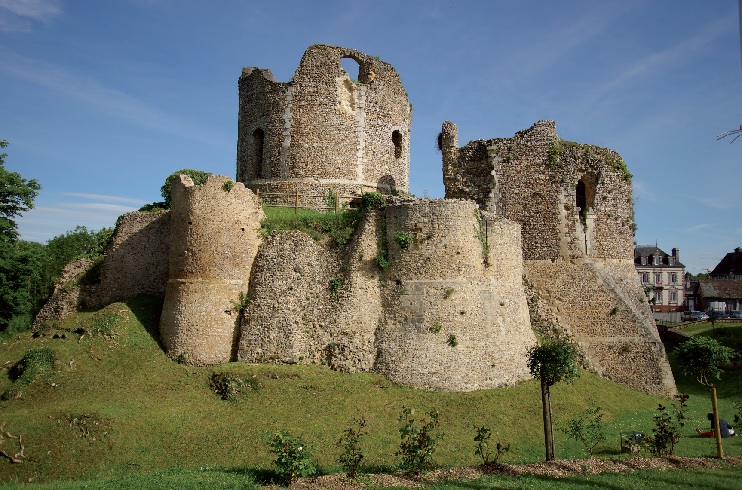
[(326, 131), (213, 241), (456, 316)]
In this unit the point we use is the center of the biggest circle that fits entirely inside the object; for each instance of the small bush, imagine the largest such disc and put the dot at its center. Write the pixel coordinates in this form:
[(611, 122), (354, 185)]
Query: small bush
[(588, 429), (435, 328), (483, 449), (228, 386), (228, 185), (350, 442), (34, 362), (335, 285), (666, 432), (452, 341), (293, 457), (418, 443), (382, 261), (371, 200), (402, 238)]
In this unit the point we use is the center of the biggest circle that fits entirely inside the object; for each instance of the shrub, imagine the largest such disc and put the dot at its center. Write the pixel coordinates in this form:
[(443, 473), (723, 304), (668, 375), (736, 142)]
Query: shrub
[(483, 450), (335, 285), (452, 341), (228, 386), (402, 238), (293, 457), (371, 200), (34, 362), (666, 432), (350, 442), (418, 443), (588, 429)]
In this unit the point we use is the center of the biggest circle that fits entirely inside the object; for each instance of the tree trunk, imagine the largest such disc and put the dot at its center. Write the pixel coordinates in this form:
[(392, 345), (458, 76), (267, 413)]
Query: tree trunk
[(717, 432), (546, 406)]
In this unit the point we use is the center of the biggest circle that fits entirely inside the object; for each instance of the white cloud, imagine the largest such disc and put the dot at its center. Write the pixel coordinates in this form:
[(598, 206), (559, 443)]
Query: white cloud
[(18, 15), (105, 198), (696, 228), (111, 102)]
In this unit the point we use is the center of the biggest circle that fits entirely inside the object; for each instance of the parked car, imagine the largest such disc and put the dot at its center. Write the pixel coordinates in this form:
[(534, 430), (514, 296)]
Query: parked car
[(694, 316), (735, 314)]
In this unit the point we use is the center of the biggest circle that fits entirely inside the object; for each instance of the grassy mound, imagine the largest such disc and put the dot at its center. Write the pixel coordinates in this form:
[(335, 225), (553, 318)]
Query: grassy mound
[(113, 406)]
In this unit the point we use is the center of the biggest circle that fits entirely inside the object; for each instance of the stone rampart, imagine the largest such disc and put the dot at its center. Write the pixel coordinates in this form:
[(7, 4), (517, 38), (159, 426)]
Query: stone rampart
[(213, 241)]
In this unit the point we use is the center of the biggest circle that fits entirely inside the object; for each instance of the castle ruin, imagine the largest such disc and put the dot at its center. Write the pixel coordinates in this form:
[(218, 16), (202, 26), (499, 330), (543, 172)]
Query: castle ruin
[(535, 234), (324, 129)]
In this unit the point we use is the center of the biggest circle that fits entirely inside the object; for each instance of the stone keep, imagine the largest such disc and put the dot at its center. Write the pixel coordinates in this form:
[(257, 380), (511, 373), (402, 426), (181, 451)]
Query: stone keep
[(574, 204), (324, 130)]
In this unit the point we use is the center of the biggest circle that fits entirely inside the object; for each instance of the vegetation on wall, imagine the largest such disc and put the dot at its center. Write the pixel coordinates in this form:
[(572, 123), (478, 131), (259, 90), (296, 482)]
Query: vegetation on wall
[(559, 148)]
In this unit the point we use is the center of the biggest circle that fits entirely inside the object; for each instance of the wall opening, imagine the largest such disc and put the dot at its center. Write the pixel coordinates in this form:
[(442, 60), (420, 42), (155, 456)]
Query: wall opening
[(258, 163), (397, 141), (351, 67), (581, 198)]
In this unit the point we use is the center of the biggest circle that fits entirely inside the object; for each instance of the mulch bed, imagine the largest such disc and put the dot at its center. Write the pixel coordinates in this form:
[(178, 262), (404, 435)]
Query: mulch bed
[(553, 469)]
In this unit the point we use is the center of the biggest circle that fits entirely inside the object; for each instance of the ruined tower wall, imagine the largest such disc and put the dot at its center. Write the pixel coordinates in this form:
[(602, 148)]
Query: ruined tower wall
[(455, 318), (533, 179), (263, 107), (214, 239), (136, 261), (323, 130)]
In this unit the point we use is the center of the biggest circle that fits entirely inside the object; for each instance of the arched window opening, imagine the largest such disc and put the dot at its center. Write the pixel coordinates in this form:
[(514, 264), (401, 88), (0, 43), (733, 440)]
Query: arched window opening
[(258, 139), (351, 67), (397, 140)]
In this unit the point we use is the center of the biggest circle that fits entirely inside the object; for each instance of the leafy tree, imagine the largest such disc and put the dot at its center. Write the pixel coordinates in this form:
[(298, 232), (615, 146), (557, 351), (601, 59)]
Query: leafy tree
[(198, 177), (16, 196), (702, 358), (17, 269), (551, 362)]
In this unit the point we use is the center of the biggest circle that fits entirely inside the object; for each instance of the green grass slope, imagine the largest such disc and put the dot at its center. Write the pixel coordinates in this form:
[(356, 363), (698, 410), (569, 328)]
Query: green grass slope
[(113, 406)]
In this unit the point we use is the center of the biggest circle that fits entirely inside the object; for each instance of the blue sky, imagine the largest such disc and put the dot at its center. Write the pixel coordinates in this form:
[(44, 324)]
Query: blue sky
[(101, 100)]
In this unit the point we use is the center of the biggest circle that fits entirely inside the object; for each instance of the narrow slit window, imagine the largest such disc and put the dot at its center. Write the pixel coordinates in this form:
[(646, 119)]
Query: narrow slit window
[(397, 141)]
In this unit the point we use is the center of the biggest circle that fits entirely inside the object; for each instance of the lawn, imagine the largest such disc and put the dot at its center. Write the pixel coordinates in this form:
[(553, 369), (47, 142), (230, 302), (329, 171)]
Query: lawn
[(114, 411)]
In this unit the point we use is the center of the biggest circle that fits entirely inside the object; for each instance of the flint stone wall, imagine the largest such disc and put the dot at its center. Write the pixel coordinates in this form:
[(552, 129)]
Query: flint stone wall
[(456, 317), (323, 130), (532, 178)]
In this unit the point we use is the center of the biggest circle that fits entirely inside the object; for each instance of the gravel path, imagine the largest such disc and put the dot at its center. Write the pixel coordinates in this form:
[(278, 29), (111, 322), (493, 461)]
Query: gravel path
[(554, 469)]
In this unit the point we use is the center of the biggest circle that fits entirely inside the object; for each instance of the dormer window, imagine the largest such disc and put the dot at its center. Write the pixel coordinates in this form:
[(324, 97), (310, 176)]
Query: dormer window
[(644, 260), (658, 259)]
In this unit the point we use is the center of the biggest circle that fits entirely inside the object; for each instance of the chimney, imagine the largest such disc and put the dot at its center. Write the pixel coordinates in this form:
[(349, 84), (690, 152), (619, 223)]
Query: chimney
[(676, 254)]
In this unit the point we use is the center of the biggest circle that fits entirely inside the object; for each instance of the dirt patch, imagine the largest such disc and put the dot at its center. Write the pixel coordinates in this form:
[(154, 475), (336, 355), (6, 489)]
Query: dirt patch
[(554, 469)]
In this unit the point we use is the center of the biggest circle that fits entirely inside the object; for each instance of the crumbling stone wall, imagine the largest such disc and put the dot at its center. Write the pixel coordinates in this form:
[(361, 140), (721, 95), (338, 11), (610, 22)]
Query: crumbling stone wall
[(213, 241), (572, 200), (136, 261), (574, 205), (323, 130)]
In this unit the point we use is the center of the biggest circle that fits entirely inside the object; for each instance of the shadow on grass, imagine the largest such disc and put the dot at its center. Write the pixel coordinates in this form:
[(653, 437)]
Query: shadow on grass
[(147, 310)]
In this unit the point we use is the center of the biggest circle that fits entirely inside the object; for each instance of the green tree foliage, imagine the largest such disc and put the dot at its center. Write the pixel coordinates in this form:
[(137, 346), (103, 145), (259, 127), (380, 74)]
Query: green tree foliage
[(551, 362), (19, 263), (702, 358), (16, 196), (197, 176)]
